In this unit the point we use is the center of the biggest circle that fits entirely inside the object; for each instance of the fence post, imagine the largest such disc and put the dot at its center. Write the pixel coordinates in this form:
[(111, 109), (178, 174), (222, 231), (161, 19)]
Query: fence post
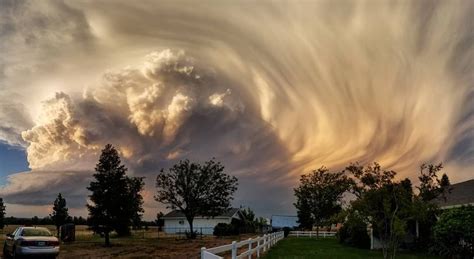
[(258, 247), (234, 249), (202, 252), (324, 234), (264, 243), (250, 248)]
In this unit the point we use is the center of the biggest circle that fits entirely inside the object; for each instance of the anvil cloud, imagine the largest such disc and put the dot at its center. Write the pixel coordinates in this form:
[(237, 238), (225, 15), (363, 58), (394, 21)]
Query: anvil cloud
[(272, 89)]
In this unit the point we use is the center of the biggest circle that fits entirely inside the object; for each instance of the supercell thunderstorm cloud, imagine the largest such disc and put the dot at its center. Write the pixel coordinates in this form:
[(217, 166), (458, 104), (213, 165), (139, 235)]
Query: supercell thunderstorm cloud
[(271, 89)]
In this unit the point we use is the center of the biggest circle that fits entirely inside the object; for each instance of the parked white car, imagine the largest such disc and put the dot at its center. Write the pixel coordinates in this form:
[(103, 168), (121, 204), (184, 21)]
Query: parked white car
[(35, 241)]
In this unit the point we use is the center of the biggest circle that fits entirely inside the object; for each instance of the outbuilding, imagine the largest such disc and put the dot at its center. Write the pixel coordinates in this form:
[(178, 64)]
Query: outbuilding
[(175, 222), (281, 221)]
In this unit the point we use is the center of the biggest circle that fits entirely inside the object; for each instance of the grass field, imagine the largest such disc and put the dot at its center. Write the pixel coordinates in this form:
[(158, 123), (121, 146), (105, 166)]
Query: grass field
[(301, 248)]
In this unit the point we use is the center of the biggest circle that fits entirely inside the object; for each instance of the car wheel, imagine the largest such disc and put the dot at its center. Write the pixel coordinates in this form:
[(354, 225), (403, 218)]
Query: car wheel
[(14, 255), (5, 252)]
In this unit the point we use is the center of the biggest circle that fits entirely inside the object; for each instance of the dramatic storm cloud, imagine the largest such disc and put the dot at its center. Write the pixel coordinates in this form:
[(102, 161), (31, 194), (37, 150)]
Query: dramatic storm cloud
[(271, 89)]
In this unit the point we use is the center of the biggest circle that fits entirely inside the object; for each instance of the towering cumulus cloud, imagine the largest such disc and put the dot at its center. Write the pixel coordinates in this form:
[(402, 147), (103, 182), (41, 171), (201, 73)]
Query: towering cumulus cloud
[(272, 89)]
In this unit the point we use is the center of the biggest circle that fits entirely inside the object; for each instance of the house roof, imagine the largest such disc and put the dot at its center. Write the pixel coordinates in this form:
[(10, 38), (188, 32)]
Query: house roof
[(178, 214), (461, 194)]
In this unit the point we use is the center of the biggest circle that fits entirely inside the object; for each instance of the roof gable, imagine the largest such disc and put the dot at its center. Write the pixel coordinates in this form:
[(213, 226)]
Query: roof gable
[(461, 194)]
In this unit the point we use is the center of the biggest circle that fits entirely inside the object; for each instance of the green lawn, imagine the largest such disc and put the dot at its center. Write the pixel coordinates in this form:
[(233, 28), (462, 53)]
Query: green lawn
[(300, 248)]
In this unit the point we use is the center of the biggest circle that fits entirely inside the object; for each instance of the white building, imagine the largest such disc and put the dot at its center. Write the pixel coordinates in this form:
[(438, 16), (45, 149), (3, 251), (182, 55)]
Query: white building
[(281, 221), (175, 222)]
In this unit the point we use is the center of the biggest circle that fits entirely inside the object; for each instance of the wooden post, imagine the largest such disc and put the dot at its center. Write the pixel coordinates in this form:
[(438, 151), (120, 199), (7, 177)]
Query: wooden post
[(250, 248), (258, 247), (265, 243), (417, 229), (202, 252), (234, 250)]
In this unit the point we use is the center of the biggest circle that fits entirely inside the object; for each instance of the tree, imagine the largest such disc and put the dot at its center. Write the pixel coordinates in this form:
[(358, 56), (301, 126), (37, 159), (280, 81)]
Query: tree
[(160, 222), (319, 195), (431, 187), (60, 212), (425, 211), (454, 233), (2, 214), (383, 203), (116, 199), (196, 189), (250, 222)]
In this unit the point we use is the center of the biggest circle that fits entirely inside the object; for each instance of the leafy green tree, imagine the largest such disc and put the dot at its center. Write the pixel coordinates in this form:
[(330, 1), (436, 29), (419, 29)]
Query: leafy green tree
[(196, 189), (2, 214), (383, 203), (454, 233), (60, 212), (431, 188), (250, 221), (116, 199), (248, 214), (319, 196), (354, 231), (303, 212)]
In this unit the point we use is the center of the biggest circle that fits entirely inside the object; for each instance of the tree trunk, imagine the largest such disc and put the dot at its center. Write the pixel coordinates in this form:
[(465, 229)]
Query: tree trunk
[(191, 229), (57, 229), (107, 239)]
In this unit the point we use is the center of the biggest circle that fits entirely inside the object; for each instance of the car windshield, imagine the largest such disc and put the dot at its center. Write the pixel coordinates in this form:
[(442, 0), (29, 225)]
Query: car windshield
[(35, 232)]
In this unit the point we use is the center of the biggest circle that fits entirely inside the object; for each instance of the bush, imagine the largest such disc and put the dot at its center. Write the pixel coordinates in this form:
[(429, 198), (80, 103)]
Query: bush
[(354, 233), (453, 234), (223, 229), (286, 231)]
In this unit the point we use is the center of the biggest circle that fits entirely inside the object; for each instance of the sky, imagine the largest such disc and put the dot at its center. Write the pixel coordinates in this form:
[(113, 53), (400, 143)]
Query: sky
[(272, 89)]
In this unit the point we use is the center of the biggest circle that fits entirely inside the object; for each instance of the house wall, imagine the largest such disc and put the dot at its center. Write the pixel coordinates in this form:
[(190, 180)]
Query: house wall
[(204, 225)]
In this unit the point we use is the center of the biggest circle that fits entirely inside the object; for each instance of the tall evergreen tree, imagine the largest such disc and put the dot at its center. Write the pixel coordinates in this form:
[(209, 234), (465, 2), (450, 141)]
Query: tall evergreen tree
[(116, 199), (2, 214), (60, 212)]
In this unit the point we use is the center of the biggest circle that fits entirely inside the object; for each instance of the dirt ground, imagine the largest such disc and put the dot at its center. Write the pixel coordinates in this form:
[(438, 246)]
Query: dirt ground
[(143, 244), (143, 248)]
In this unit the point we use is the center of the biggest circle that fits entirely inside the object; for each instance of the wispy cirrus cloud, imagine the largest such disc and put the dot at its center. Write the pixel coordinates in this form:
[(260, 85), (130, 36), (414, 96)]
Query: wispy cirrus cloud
[(273, 89)]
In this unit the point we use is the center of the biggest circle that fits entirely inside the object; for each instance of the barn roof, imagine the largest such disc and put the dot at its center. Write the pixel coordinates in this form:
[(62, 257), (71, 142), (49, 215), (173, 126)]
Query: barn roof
[(461, 194), (178, 214)]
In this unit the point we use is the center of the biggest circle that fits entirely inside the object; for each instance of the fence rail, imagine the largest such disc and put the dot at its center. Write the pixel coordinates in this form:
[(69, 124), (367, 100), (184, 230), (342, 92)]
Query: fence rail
[(313, 233), (256, 246)]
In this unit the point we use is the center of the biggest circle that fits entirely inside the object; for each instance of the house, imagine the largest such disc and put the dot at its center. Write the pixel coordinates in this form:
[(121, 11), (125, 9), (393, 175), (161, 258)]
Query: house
[(281, 221), (461, 194), (175, 222)]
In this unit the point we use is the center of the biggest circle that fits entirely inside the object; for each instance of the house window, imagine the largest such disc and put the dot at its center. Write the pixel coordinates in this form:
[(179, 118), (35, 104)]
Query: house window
[(181, 222)]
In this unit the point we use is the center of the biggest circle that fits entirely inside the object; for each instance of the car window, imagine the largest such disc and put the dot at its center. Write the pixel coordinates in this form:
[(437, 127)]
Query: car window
[(14, 232), (35, 232)]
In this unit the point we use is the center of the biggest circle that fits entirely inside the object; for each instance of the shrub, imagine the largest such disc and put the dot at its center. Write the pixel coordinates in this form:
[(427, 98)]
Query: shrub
[(223, 229), (453, 234), (354, 232)]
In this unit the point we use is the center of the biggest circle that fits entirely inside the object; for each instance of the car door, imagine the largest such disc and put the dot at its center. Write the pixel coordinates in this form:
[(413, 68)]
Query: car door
[(10, 241)]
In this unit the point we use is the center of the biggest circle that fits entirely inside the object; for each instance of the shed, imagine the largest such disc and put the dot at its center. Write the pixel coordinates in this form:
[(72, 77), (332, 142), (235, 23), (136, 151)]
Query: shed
[(281, 221), (175, 222)]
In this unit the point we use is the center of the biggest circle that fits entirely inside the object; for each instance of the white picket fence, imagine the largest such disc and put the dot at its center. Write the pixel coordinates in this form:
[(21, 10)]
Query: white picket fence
[(256, 246), (312, 233)]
